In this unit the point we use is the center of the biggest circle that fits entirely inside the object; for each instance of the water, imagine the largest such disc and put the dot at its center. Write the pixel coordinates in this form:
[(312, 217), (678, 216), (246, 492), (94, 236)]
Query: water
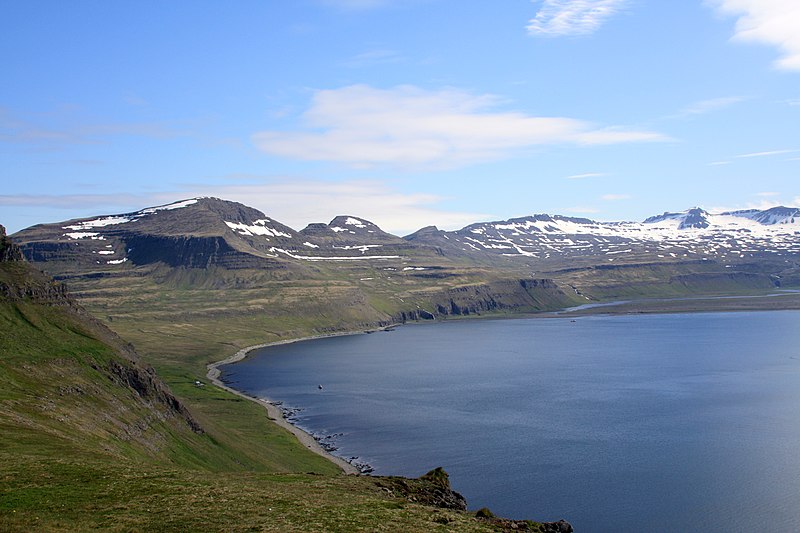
[(638, 423)]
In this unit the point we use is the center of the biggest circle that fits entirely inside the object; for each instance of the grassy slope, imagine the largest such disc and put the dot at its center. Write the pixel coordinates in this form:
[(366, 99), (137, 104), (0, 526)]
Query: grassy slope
[(79, 451), (180, 321)]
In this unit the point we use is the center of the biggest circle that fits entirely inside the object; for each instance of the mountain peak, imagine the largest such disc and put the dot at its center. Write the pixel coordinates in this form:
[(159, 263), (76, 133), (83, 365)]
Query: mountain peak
[(351, 224), (693, 218)]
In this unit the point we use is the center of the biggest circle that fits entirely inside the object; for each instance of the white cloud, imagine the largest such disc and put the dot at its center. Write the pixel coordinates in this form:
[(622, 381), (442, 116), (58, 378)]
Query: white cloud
[(719, 163), (772, 22), (557, 18), (411, 127), (707, 106), (615, 197), (768, 194)]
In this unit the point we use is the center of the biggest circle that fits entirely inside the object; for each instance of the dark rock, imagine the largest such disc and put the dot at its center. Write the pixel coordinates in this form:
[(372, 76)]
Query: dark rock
[(8, 250), (431, 489)]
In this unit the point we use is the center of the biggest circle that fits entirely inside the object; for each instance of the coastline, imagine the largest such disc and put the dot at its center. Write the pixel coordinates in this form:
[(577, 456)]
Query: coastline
[(645, 306), (273, 412)]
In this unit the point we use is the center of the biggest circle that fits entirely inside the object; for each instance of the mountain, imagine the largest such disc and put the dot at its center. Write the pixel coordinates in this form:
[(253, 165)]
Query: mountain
[(350, 271), (204, 233), (694, 234)]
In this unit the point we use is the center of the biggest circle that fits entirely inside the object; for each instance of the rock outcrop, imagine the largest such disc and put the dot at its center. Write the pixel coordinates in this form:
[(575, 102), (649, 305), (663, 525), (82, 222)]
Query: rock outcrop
[(431, 489)]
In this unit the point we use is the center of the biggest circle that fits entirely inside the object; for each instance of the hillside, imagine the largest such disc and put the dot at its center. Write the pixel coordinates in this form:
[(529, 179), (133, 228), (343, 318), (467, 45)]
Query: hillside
[(92, 439)]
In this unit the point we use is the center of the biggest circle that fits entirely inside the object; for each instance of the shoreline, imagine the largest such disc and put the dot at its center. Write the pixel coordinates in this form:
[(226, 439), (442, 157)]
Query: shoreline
[(623, 307), (274, 413)]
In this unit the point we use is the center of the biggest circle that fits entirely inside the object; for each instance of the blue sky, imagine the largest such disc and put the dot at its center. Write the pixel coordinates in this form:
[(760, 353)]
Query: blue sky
[(404, 112)]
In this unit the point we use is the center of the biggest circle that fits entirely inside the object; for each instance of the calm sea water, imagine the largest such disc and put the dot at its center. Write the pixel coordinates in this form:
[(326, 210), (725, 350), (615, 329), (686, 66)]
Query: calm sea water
[(616, 423)]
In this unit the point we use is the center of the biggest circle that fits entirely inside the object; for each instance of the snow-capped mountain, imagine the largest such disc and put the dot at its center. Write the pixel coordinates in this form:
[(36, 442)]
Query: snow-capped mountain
[(694, 233), (204, 232)]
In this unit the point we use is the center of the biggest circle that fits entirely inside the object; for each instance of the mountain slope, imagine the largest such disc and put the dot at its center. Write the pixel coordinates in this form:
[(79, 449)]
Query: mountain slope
[(70, 383), (692, 234)]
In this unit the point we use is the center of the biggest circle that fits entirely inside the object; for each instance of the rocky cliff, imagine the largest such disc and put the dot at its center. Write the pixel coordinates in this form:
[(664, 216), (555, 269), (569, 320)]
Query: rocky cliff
[(39, 312)]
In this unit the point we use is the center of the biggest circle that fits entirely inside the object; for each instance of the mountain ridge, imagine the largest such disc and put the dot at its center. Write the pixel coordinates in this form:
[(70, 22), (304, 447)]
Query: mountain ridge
[(210, 231)]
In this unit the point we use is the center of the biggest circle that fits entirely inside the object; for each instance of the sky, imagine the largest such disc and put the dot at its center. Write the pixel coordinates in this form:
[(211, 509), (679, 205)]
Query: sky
[(408, 113)]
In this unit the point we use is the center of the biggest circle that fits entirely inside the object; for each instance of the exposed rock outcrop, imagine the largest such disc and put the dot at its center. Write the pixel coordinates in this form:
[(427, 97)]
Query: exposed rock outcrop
[(524, 295), (8, 250), (431, 489), (149, 387)]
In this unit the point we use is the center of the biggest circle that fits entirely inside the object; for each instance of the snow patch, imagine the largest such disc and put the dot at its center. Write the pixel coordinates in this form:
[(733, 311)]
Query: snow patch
[(258, 227), (355, 222)]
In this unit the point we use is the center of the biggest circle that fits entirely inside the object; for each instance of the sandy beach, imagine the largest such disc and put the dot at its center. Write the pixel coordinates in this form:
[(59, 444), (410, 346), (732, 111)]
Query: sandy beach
[(273, 412)]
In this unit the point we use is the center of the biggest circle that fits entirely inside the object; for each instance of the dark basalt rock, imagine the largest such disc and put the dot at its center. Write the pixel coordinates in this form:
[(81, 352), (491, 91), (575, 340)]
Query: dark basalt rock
[(8, 250)]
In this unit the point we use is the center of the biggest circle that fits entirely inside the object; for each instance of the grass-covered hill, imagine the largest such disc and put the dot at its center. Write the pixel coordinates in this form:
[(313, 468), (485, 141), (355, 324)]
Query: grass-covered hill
[(92, 439)]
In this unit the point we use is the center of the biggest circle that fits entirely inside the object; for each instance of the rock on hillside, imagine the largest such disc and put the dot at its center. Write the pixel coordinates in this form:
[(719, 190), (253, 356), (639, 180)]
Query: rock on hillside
[(90, 379)]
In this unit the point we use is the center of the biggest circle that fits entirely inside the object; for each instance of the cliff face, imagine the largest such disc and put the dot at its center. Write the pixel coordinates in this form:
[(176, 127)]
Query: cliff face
[(524, 295), (8, 251)]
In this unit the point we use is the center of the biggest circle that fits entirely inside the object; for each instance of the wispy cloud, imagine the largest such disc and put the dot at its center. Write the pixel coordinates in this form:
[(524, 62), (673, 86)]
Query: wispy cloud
[(766, 154), (557, 18), (298, 202), (615, 197), (772, 22), (761, 205), (373, 58), (707, 106), (410, 127), (79, 202), (587, 175), (47, 134), (768, 194)]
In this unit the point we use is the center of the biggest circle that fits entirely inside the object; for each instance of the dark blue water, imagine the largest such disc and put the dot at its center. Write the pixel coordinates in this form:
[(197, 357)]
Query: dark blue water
[(637, 423)]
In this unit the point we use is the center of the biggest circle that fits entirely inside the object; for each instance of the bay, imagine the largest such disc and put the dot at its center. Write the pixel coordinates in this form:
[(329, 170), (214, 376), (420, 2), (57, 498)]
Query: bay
[(673, 422)]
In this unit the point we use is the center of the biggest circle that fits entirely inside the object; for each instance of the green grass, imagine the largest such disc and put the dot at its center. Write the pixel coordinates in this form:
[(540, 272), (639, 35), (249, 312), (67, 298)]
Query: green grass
[(101, 459), (81, 451), (80, 496)]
